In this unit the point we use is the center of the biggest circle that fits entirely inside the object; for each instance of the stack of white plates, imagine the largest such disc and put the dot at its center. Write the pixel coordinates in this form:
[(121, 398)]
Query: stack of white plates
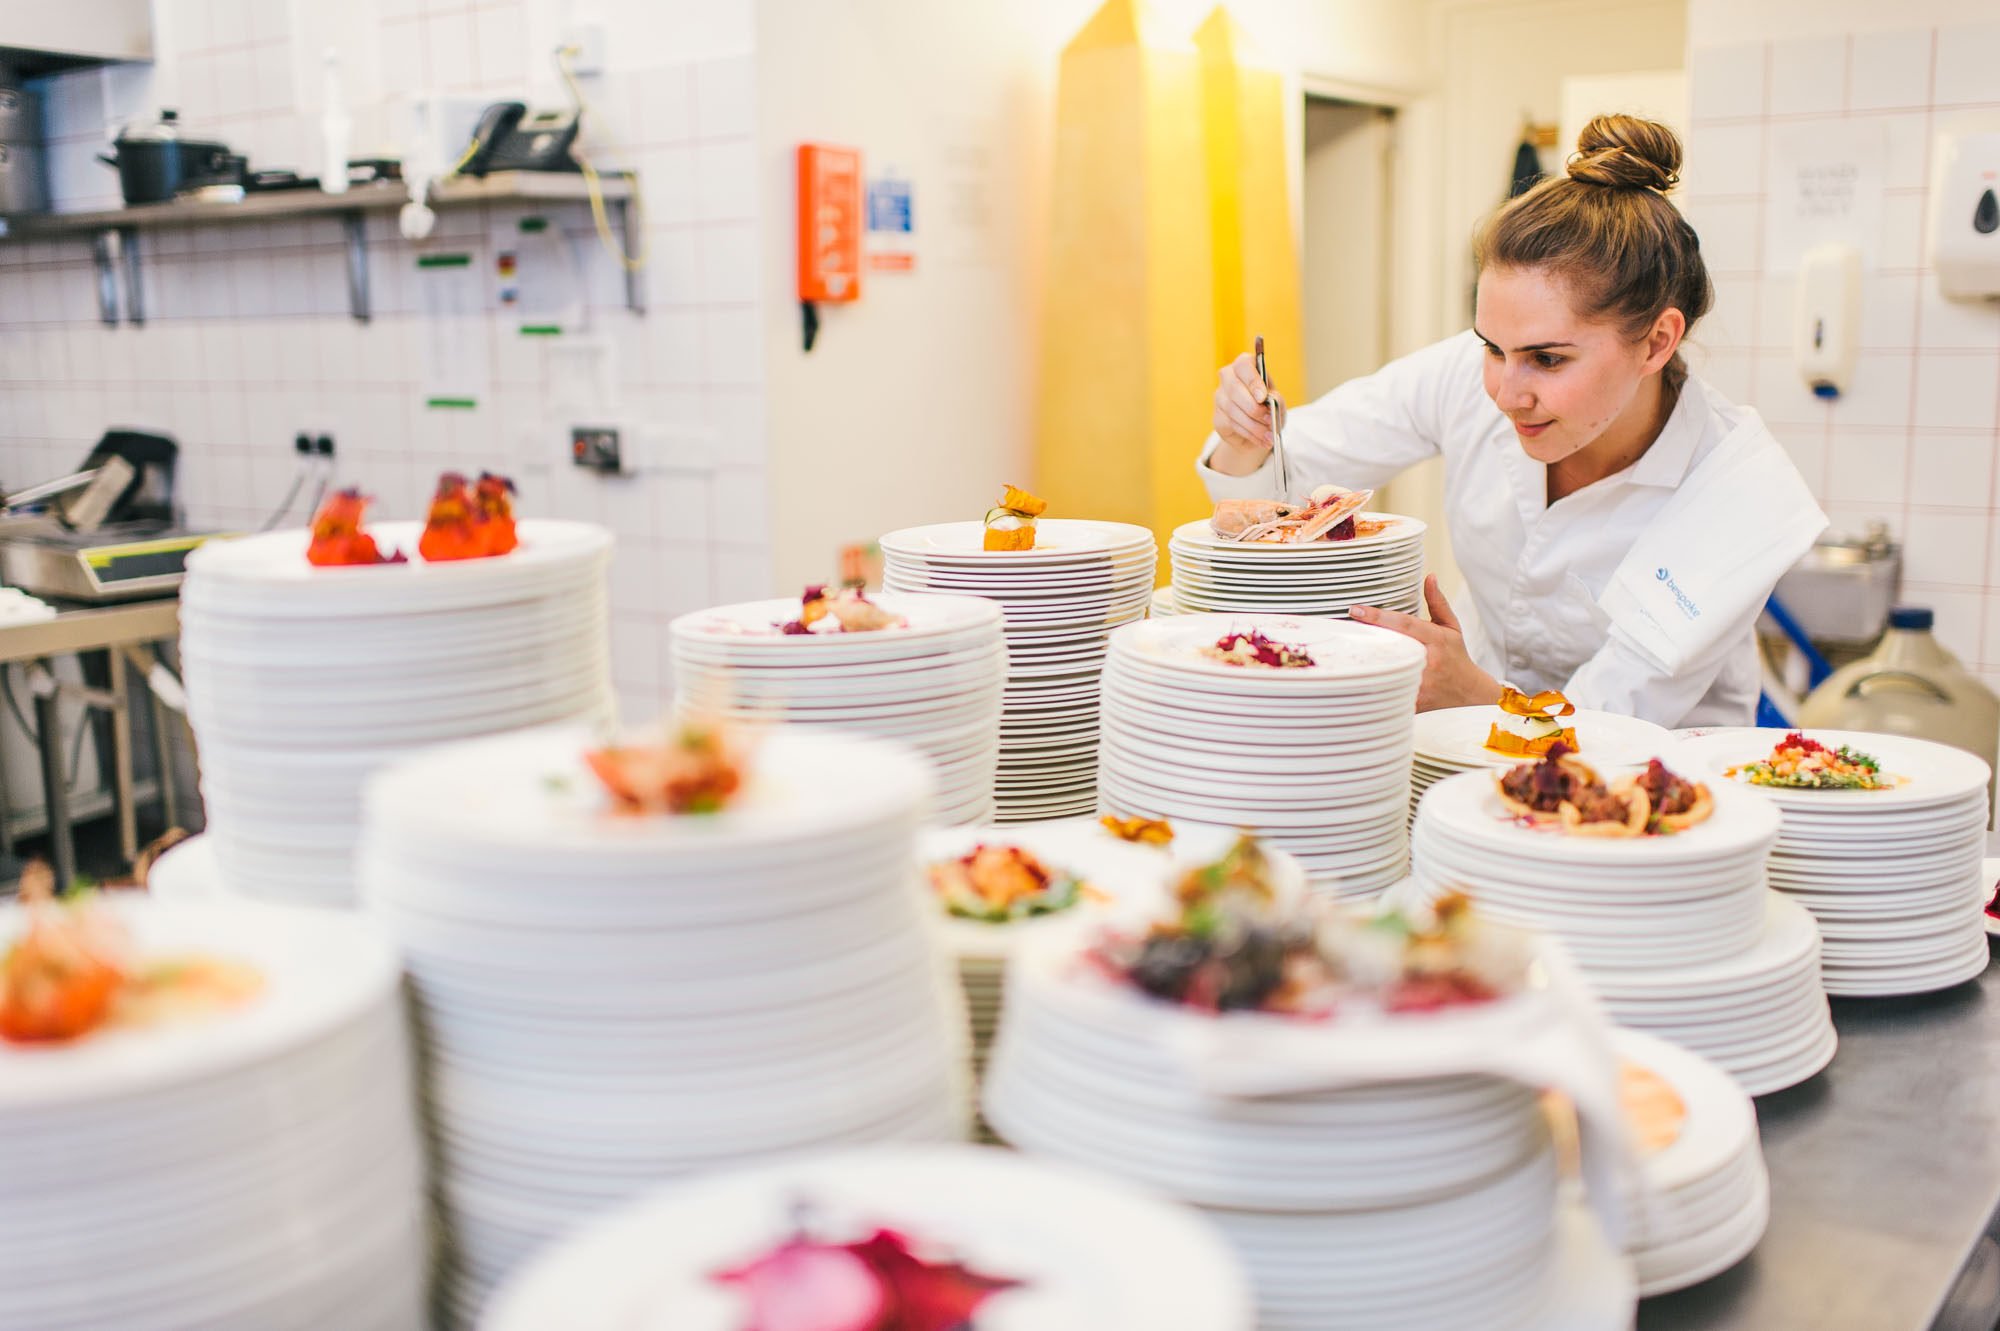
[(934, 684), (1678, 934), (1892, 876), (1061, 599), (615, 1001), (1314, 578), (1427, 1203), (1706, 1196), (303, 681), (1163, 603), (1315, 760), (1087, 1254), (248, 1168), (1451, 740)]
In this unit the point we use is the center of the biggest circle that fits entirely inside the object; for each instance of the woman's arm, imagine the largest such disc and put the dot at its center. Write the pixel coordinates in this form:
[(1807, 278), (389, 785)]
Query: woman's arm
[(1624, 678), (1361, 435)]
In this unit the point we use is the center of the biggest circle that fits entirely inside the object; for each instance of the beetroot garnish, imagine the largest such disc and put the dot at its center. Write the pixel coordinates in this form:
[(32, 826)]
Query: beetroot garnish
[(1797, 741), (1340, 531)]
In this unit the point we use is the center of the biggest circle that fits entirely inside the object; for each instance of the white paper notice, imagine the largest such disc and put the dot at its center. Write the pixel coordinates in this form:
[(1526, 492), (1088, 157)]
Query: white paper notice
[(1825, 185)]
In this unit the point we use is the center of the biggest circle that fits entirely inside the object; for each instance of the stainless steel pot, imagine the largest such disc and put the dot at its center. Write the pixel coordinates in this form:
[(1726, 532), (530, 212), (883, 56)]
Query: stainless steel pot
[(154, 163)]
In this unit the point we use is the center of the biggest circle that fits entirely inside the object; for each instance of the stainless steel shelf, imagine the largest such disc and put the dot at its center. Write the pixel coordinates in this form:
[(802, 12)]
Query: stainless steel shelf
[(112, 233)]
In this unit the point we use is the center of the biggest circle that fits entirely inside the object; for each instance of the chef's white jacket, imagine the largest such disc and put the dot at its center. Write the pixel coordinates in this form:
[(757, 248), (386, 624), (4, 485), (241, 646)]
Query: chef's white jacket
[(1638, 594)]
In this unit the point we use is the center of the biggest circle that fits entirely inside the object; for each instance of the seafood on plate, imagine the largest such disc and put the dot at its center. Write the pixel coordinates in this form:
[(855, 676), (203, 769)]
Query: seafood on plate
[(999, 884), (1330, 513), (1254, 649), (696, 769), (1139, 831), (469, 521), (823, 609), (1801, 763), (1010, 524), (75, 969), (1529, 727), (1238, 944), (337, 537), (1561, 790), (885, 1282)]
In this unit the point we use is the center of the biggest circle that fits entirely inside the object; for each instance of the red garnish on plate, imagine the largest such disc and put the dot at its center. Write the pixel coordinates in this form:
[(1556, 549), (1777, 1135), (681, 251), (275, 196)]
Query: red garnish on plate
[(337, 538), (493, 503), (1797, 741), (877, 1284)]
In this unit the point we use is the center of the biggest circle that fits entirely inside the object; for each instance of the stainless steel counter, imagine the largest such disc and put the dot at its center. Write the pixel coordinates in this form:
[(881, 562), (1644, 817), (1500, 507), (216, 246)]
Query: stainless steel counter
[(1885, 1178)]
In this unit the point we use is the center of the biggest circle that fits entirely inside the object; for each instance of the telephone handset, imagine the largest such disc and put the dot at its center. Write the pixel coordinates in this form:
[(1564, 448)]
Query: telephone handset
[(507, 138)]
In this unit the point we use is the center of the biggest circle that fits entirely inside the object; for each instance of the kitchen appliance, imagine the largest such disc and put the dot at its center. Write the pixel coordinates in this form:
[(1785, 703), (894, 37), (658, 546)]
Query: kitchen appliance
[(23, 182), (154, 163), (1840, 593)]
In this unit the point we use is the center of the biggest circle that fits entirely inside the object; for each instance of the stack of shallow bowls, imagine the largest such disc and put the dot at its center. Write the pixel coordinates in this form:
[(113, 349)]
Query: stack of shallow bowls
[(612, 1001), (250, 1167), (934, 683), (1451, 740), (1678, 934), (1062, 599), (1706, 1196), (1314, 760), (303, 681), (1892, 876), (1385, 569), (1427, 1201), (1022, 1242)]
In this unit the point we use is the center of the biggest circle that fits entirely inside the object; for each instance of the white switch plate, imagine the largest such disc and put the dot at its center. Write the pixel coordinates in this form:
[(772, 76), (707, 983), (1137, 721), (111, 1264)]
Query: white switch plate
[(589, 41)]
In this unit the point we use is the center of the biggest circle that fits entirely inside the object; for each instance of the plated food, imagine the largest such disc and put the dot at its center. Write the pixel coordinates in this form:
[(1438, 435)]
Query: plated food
[(1562, 791), (1254, 649), (1801, 763), (884, 1282), (824, 610), (1330, 513), (469, 520), (1529, 727), (1010, 524), (337, 537), (695, 769), (75, 969), (997, 884), (1238, 944)]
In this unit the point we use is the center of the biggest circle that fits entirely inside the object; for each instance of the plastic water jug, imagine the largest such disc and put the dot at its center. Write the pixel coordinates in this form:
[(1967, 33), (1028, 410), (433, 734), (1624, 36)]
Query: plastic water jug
[(1909, 685)]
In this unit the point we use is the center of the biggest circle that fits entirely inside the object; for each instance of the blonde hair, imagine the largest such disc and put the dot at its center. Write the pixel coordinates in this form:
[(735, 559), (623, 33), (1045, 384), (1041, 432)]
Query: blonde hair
[(1608, 232)]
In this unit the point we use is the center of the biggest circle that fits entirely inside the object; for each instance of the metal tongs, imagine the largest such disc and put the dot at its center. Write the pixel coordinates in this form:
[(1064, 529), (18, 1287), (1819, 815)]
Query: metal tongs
[(1277, 406)]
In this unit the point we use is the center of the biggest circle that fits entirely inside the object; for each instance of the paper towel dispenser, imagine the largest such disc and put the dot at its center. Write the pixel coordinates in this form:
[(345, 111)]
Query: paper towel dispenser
[(1965, 216)]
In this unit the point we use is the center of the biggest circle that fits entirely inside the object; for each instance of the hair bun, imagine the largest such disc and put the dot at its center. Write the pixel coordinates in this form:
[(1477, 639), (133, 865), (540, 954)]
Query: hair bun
[(1626, 152)]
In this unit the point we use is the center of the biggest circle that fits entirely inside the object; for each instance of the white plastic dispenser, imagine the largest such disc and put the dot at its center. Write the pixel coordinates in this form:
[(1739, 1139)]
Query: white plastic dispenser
[(1965, 216), (1826, 324)]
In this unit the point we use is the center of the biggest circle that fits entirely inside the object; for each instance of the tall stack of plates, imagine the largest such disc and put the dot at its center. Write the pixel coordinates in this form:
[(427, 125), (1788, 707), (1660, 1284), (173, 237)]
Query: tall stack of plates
[(1315, 578), (1892, 876), (1678, 934), (934, 684), (303, 681), (251, 1167), (1451, 740), (1706, 1195), (1077, 1252), (1163, 603), (1061, 599), (1404, 1205), (1315, 760), (614, 1001)]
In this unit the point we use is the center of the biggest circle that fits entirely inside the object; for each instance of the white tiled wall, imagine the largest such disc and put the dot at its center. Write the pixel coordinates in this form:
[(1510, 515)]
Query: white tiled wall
[(1914, 440), (248, 340)]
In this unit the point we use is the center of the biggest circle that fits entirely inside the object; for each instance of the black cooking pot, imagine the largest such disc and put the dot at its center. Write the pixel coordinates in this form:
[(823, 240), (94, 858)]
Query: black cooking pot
[(155, 163)]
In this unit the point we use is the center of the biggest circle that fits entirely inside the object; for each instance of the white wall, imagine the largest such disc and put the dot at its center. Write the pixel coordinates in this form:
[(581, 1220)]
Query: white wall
[(1732, 22), (919, 401)]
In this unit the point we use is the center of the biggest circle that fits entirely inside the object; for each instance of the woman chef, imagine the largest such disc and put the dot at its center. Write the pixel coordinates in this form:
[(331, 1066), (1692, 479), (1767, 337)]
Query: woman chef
[(1619, 523)]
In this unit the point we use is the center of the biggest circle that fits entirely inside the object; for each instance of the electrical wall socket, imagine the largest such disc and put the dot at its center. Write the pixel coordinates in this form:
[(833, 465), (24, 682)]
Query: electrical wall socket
[(588, 40), (595, 448)]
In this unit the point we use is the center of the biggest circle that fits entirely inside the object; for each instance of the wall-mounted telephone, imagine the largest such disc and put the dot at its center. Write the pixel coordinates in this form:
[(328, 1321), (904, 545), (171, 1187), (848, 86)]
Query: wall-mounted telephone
[(507, 138)]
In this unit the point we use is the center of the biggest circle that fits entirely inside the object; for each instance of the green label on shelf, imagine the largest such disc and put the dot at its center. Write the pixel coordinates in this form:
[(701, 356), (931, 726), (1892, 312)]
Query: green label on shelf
[(452, 403), (444, 261), (540, 330)]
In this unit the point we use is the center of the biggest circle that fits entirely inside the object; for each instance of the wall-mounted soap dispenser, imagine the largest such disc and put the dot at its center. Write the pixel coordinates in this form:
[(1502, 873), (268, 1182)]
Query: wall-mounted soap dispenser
[(1965, 216), (1826, 328)]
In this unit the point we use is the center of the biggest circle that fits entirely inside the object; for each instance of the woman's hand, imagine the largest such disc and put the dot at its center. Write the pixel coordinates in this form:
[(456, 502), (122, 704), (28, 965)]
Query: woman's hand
[(1451, 678), (1242, 421)]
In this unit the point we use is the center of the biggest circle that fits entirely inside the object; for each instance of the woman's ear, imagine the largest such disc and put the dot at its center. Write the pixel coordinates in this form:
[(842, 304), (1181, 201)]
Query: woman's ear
[(1664, 339)]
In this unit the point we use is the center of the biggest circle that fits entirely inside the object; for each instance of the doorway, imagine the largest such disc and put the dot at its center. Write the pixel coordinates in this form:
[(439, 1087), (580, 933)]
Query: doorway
[(1346, 257)]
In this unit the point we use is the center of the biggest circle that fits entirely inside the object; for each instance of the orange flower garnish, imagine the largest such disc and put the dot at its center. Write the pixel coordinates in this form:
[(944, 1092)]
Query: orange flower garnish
[(1546, 705), (337, 538)]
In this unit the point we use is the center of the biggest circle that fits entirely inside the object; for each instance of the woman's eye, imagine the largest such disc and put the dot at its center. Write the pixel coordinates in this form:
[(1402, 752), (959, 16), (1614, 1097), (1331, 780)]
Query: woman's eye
[(1548, 361), (1492, 350)]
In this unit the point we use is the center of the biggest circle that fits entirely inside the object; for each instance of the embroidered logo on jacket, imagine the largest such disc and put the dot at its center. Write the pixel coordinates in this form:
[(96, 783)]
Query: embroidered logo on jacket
[(1681, 598)]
